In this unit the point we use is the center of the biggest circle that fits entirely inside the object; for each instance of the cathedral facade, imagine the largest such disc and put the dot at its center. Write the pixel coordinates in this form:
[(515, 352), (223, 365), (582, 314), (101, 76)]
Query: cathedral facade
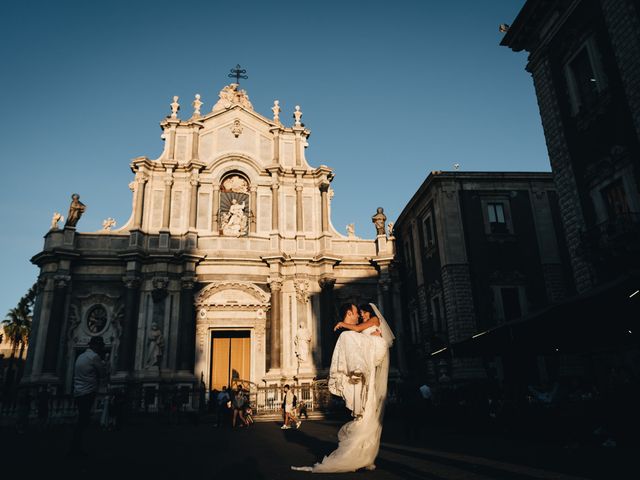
[(228, 269)]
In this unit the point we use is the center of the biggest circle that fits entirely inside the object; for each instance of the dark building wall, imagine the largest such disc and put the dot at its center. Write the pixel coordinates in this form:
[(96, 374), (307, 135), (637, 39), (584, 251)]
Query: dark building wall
[(464, 269), (585, 62), (503, 259)]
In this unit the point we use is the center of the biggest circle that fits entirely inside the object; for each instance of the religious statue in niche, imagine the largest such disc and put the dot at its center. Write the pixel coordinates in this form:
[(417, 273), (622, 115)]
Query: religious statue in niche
[(379, 220), (76, 209), (234, 206), (301, 343), (155, 346), (97, 319), (234, 221)]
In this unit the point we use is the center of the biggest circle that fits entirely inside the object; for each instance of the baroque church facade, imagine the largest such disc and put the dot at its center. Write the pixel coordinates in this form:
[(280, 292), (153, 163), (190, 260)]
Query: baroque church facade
[(228, 269)]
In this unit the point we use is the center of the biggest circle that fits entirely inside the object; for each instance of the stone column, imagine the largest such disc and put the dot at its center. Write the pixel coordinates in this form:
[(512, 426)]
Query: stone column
[(298, 150), (275, 336), (35, 326), (274, 205), (327, 320), (56, 321), (172, 141), (216, 207), (141, 182), (195, 138), (187, 327), (126, 355), (324, 195), (253, 200), (276, 146), (193, 205), (166, 203), (299, 225)]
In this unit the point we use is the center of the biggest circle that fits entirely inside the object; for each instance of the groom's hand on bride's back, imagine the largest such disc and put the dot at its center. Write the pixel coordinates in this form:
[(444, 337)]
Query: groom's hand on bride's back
[(338, 326)]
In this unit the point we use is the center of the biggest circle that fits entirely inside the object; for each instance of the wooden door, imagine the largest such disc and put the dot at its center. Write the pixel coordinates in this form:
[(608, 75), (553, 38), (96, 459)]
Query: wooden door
[(230, 358)]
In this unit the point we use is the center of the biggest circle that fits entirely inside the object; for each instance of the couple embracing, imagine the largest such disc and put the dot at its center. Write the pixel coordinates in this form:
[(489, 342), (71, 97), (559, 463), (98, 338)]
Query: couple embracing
[(359, 372)]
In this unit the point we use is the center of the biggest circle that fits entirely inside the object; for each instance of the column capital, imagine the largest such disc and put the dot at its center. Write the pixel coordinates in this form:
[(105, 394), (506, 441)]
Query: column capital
[(61, 281), (188, 283), (141, 178), (275, 283), (327, 283), (131, 282)]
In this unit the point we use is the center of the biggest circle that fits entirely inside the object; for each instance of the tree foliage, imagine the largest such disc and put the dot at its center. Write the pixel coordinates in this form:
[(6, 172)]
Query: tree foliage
[(17, 323)]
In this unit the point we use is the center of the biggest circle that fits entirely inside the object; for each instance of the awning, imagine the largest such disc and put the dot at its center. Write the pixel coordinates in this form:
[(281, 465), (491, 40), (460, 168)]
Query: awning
[(607, 317)]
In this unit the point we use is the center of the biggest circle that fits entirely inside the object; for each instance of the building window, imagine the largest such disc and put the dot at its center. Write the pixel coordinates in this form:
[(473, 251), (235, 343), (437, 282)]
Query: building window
[(510, 302), (616, 199), (496, 217), (437, 315), (429, 234), (584, 78)]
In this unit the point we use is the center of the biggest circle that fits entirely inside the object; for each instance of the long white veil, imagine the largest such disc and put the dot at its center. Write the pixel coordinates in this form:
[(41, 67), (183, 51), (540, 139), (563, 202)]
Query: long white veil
[(387, 333)]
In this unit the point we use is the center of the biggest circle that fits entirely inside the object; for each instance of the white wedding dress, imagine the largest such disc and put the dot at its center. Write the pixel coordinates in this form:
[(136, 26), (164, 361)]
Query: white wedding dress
[(359, 373)]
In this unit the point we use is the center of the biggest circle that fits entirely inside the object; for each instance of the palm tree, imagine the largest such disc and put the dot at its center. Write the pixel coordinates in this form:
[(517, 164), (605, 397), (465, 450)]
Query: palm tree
[(17, 324)]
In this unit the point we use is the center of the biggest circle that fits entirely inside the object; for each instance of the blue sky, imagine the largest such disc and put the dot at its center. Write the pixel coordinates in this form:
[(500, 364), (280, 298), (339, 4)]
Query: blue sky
[(389, 90)]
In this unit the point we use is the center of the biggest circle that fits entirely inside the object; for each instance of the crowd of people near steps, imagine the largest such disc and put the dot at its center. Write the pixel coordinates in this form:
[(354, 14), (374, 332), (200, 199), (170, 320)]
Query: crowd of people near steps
[(234, 409), (232, 406)]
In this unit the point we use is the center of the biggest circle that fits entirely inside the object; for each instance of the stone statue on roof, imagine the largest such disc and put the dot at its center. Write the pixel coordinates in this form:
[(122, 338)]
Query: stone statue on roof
[(230, 96)]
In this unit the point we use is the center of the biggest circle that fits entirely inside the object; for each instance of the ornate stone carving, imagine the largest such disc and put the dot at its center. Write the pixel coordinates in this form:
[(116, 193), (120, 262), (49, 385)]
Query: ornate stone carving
[(230, 96), (276, 111), (234, 222), (259, 331), (159, 291), (233, 295), (236, 128), (197, 104), (351, 230), (327, 283), (194, 180), (390, 226), (201, 335), (76, 209), (297, 114), (61, 281), (275, 283), (379, 220), (108, 224), (57, 217), (97, 319), (235, 183), (302, 290), (74, 322), (131, 282), (175, 106)]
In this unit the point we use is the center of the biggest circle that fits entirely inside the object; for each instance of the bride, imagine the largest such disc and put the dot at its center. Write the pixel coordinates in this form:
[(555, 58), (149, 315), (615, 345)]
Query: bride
[(359, 373)]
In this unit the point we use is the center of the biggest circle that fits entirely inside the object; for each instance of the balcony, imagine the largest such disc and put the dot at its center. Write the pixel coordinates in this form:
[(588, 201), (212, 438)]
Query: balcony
[(614, 245)]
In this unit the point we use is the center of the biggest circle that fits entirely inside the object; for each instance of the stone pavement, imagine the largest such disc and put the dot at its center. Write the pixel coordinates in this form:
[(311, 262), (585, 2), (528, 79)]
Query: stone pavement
[(158, 450)]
